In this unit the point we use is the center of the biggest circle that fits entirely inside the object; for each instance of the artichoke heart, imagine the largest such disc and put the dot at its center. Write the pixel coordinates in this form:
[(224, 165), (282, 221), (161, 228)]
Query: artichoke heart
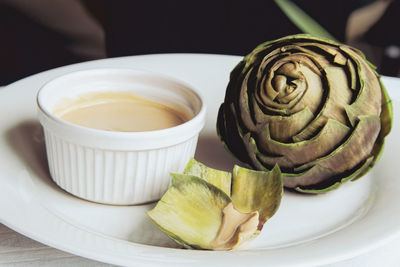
[(197, 214), (315, 107)]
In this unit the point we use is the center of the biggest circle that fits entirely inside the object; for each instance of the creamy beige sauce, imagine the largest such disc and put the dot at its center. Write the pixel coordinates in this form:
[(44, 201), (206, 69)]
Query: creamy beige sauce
[(236, 229), (118, 111)]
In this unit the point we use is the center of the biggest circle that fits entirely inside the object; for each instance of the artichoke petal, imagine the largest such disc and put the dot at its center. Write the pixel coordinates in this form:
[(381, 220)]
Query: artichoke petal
[(333, 103), (312, 176), (191, 209), (220, 179), (332, 184), (262, 159), (233, 140), (332, 134), (386, 113), (257, 191), (351, 73), (282, 128), (358, 145)]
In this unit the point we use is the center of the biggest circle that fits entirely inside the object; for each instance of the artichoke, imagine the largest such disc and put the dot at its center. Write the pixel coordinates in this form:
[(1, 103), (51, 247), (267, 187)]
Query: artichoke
[(315, 107), (199, 211)]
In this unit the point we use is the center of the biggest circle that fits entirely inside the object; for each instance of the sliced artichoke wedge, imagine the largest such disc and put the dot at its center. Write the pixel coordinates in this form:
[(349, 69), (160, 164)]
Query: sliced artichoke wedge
[(196, 212)]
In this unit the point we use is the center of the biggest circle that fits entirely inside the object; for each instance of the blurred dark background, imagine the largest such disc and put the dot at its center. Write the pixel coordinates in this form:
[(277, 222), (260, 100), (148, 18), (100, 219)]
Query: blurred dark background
[(44, 34)]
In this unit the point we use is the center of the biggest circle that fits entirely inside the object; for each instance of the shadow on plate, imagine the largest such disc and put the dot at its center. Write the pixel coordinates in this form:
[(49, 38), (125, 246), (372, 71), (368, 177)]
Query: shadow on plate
[(27, 140), (211, 152)]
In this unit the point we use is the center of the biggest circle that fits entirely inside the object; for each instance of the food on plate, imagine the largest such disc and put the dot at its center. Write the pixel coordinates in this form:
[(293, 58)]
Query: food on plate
[(118, 111), (315, 107), (200, 211)]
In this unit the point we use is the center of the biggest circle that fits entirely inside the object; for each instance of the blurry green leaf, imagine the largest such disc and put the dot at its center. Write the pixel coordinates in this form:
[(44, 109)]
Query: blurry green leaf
[(302, 20)]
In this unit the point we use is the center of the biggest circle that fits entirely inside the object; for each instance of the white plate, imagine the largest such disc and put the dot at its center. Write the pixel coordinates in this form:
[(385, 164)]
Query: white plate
[(307, 230)]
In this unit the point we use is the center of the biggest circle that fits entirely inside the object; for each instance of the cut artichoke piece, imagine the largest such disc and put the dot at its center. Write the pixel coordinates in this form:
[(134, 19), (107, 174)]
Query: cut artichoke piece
[(190, 211), (220, 179), (198, 214), (257, 191)]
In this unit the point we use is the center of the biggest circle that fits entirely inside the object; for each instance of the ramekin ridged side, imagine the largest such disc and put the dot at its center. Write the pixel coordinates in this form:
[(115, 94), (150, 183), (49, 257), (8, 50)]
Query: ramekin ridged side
[(109, 176)]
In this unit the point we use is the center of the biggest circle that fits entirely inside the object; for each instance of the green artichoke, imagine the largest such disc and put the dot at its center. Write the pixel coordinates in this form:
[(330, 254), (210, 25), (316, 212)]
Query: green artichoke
[(315, 107)]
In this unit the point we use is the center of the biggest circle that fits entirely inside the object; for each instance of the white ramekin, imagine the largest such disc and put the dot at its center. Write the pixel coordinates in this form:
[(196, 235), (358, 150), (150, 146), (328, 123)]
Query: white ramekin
[(121, 168)]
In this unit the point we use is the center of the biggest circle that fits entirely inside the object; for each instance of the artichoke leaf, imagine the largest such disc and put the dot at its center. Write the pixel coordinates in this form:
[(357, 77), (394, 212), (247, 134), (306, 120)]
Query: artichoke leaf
[(330, 137), (386, 112), (224, 137), (330, 52), (332, 108), (264, 161), (340, 59), (267, 106), (386, 117), (339, 91), (305, 80), (259, 191), (245, 111), (191, 209), (357, 146), (233, 140), (368, 102), (282, 128), (314, 91), (370, 91), (218, 178), (335, 183), (314, 175), (352, 115), (240, 144), (319, 62), (352, 75)]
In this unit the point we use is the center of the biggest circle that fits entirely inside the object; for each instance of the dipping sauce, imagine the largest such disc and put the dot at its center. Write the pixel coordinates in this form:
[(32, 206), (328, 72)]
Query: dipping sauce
[(118, 111)]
